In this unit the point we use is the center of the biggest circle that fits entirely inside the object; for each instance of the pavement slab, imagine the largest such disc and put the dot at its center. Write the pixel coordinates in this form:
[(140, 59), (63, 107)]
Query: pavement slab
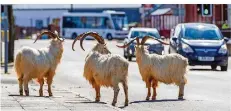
[(63, 100)]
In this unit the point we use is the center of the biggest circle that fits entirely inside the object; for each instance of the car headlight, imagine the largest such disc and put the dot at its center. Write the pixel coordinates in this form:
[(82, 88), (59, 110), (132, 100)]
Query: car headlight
[(223, 49), (186, 48)]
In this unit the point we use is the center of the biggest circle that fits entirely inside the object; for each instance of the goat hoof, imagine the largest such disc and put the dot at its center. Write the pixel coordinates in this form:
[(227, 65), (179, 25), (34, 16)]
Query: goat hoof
[(153, 98), (180, 98), (113, 104), (126, 104), (50, 94), (27, 92), (147, 98), (21, 93), (97, 100)]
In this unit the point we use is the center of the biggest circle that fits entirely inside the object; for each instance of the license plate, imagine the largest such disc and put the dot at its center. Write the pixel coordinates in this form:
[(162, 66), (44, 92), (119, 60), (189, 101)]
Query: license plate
[(206, 58)]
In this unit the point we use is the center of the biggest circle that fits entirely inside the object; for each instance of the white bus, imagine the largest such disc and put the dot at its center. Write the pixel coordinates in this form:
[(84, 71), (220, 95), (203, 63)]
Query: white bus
[(109, 24)]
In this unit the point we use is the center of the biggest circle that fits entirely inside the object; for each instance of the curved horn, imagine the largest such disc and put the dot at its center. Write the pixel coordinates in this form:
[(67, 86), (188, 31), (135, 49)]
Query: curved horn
[(145, 38), (77, 38), (93, 34), (57, 34), (126, 45), (50, 34)]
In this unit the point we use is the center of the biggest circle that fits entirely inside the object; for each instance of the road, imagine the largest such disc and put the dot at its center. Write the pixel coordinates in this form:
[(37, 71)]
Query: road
[(206, 90)]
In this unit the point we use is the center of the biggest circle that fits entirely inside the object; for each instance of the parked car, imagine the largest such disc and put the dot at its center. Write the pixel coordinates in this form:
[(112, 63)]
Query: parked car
[(201, 43), (153, 46)]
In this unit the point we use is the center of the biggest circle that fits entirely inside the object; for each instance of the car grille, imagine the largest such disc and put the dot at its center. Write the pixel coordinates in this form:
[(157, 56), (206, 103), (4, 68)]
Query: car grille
[(206, 52)]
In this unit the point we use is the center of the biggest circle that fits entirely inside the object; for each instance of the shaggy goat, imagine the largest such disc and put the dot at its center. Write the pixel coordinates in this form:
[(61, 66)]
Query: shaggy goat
[(103, 68), (38, 63), (170, 68)]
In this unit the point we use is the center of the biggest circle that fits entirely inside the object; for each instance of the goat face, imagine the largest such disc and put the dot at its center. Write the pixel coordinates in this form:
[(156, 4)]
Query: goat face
[(101, 48), (57, 43), (140, 49)]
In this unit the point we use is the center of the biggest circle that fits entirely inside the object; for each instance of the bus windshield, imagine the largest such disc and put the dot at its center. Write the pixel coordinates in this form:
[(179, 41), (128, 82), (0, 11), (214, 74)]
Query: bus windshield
[(120, 21)]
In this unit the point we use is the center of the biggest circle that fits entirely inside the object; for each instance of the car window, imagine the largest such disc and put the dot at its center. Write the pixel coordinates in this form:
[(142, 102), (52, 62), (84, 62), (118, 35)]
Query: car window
[(141, 34), (202, 34), (177, 31)]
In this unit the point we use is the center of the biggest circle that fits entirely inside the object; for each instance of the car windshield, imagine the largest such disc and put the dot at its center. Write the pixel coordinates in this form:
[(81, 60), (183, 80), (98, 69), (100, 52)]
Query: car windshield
[(192, 33), (141, 34)]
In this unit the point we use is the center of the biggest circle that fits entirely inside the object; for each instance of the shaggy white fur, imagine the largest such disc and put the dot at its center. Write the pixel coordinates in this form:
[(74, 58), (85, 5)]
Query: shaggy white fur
[(105, 69), (170, 68), (39, 64)]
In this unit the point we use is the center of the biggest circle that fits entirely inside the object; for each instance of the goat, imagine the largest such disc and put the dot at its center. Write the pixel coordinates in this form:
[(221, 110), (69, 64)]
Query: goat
[(31, 63), (103, 68), (170, 68)]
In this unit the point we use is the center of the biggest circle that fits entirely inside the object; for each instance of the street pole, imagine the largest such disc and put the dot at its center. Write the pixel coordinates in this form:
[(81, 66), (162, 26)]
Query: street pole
[(6, 39), (71, 7)]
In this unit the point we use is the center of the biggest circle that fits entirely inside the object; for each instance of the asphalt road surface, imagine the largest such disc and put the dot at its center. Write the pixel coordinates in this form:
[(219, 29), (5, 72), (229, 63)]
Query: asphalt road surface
[(206, 90)]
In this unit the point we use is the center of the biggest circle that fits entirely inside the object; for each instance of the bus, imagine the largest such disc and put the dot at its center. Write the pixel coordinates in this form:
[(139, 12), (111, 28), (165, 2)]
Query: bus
[(109, 24)]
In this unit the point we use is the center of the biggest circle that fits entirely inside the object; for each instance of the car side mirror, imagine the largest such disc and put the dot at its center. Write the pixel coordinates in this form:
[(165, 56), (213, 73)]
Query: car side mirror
[(226, 39), (174, 38)]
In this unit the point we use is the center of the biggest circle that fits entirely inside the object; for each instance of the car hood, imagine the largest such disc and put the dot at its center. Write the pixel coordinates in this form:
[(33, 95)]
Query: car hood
[(212, 43), (149, 42)]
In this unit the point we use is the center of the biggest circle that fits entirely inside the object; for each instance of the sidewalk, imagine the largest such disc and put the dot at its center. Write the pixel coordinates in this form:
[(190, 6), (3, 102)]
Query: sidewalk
[(63, 99)]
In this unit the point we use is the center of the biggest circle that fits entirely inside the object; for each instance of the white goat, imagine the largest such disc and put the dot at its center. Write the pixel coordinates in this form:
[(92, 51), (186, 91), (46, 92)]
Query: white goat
[(103, 68), (38, 63), (170, 68)]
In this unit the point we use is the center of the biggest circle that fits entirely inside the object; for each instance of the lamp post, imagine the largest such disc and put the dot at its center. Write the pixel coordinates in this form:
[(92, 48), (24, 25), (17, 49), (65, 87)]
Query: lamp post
[(6, 39)]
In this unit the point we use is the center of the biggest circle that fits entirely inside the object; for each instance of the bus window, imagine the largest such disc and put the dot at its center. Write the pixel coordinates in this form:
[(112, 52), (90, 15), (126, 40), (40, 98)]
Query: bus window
[(90, 22), (103, 22), (107, 23), (120, 21), (72, 22), (67, 22)]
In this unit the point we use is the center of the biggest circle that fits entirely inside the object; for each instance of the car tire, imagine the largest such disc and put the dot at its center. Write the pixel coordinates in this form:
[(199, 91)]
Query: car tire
[(129, 58), (169, 50), (125, 56), (109, 37), (214, 67), (224, 68), (73, 36)]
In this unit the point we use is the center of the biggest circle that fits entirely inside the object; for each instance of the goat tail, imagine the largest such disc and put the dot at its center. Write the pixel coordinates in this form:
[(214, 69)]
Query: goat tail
[(17, 64)]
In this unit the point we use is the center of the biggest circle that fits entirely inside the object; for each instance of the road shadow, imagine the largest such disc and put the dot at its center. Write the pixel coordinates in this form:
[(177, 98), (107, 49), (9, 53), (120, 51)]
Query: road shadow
[(90, 102), (198, 69), (27, 96), (121, 107), (162, 100)]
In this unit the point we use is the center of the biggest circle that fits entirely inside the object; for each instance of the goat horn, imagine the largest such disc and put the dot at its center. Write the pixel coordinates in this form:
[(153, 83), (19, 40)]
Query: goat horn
[(93, 34), (126, 45), (50, 34), (145, 38), (77, 38)]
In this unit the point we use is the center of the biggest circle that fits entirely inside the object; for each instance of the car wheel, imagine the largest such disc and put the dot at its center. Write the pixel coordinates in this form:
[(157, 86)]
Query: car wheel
[(129, 58), (125, 54), (214, 67), (169, 50), (74, 35), (109, 37), (224, 68)]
